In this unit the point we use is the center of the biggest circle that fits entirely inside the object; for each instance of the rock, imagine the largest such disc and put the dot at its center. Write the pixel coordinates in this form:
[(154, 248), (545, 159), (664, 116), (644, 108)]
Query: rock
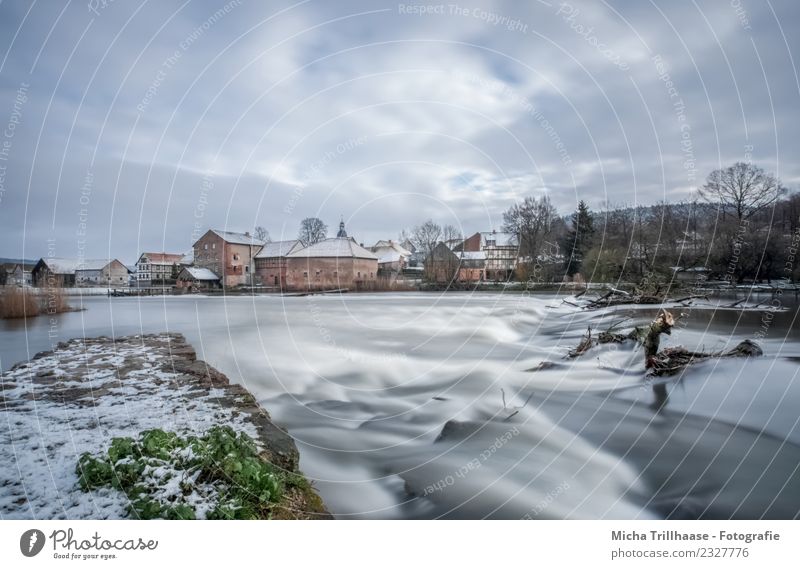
[(457, 430)]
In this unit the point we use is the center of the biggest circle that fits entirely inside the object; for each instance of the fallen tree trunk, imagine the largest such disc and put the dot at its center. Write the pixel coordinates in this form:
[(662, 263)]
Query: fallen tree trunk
[(673, 360), (660, 362)]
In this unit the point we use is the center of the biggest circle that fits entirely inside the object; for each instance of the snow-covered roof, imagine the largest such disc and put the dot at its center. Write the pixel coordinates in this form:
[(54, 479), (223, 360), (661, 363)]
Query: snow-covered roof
[(93, 264), (390, 256), (278, 249), (161, 258), (334, 247), (238, 238), (201, 274), (188, 258), (472, 255), (500, 239), (60, 266), (382, 248)]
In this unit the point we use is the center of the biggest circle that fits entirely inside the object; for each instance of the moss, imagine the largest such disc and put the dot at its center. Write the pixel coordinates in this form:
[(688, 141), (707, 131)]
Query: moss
[(220, 469)]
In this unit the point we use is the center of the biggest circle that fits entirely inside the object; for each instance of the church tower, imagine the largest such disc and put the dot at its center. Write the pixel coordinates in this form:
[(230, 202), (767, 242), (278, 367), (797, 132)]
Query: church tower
[(342, 232)]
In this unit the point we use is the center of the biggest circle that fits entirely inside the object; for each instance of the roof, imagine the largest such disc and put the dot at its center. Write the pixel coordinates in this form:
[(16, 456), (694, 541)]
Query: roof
[(278, 249), (11, 267), (334, 247), (472, 255), (500, 239), (200, 273), (61, 266), (390, 256), (188, 258), (238, 238), (166, 258), (382, 248), (93, 264)]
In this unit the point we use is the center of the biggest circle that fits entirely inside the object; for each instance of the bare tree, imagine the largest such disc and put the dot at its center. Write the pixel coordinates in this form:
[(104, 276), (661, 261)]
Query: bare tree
[(743, 189), (450, 234), (262, 234), (532, 222), (426, 236), (312, 230)]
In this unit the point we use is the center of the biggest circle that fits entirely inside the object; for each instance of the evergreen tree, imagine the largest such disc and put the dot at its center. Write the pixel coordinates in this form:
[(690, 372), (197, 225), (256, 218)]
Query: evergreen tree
[(578, 239)]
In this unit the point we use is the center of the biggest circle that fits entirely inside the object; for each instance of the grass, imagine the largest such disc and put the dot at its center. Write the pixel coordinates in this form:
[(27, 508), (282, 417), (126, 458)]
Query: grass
[(218, 475), (16, 302)]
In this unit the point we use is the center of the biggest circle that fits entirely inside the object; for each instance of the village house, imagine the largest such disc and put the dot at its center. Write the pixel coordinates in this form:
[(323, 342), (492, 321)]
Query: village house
[(157, 269), (101, 272), (271, 263), (334, 263), (471, 243), (54, 272), (501, 249), (392, 258), (502, 253), (197, 279), (57, 272), (17, 274), (472, 268), (229, 255), (445, 266)]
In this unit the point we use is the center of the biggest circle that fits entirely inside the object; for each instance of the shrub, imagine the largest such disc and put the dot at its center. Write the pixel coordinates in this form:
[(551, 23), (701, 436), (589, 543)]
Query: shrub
[(166, 476)]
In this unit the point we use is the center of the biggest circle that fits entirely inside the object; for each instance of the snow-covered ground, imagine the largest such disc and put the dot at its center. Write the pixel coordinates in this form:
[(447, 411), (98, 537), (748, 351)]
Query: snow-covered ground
[(77, 398)]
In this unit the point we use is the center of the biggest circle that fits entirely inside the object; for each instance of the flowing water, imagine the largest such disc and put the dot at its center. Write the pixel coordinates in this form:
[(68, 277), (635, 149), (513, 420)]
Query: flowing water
[(424, 405)]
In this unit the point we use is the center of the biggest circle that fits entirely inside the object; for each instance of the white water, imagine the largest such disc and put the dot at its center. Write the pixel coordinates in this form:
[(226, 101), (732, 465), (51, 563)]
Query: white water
[(366, 383)]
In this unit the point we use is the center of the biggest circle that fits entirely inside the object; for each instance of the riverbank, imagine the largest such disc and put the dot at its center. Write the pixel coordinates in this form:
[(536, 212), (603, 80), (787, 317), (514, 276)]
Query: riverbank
[(84, 394)]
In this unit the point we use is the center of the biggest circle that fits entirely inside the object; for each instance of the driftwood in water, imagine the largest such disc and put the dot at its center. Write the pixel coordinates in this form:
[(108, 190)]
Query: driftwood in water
[(616, 297), (585, 345), (673, 360), (660, 362), (661, 325)]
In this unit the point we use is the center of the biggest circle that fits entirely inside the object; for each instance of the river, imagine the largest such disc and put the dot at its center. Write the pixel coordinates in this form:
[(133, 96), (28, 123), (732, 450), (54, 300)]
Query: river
[(367, 382)]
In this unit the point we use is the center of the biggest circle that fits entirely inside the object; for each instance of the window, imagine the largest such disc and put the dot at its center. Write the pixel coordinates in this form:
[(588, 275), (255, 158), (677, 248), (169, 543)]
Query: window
[(236, 256), (305, 274), (247, 268), (213, 245), (205, 246)]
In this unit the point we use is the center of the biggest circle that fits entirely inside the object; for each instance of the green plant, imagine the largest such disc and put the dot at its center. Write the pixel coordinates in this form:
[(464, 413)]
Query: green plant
[(166, 476)]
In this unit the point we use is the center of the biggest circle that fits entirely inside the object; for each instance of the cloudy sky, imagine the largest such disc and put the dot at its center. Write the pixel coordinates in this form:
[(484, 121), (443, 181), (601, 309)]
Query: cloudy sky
[(132, 126)]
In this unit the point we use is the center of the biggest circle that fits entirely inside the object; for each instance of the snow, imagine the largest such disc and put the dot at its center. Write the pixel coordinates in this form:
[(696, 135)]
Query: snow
[(278, 249), (500, 239), (201, 274), (78, 398), (238, 238), (62, 266), (334, 247), (472, 255)]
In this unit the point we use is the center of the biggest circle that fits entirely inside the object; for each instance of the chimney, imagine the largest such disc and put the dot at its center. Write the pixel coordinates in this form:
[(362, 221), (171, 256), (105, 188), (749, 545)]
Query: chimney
[(247, 234)]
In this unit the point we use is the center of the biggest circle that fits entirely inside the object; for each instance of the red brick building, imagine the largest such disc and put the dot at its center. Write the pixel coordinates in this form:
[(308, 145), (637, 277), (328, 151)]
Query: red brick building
[(229, 255), (271, 263), (334, 263)]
